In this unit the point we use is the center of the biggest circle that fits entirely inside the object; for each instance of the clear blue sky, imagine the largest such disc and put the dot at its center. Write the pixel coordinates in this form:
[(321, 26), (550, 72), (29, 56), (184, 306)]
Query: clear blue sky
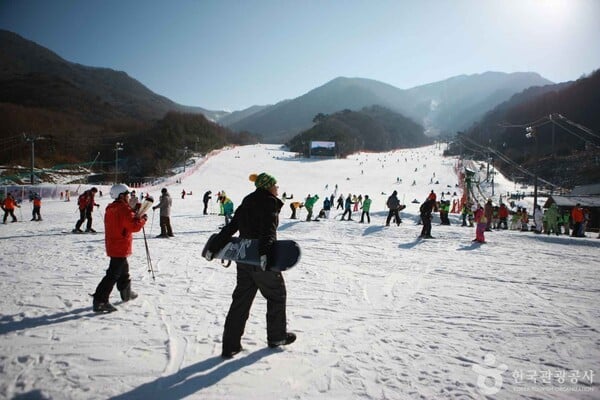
[(230, 55)]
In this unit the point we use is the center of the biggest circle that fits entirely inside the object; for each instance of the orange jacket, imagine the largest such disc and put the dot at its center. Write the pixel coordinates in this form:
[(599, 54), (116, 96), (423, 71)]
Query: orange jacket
[(119, 224), (577, 214), (9, 203), (37, 202)]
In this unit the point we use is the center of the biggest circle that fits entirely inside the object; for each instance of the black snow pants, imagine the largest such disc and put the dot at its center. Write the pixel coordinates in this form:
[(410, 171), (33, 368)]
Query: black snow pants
[(250, 279)]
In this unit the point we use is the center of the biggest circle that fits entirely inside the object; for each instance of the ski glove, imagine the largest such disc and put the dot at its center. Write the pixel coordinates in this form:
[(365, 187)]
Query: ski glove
[(209, 255)]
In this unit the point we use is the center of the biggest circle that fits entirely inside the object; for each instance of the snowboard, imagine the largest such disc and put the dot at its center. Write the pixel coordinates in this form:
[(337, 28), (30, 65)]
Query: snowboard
[(284, 254)]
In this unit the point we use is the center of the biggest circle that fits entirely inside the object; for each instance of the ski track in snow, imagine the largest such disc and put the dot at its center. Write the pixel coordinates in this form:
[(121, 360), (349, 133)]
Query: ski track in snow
[(379, 314)]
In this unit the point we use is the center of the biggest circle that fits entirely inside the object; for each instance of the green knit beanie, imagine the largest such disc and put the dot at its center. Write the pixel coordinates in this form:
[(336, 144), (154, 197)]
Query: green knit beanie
[(263, 180)]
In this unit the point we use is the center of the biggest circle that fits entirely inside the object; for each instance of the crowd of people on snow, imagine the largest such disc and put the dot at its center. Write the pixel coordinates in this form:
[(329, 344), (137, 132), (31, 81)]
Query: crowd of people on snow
[(551, 221)]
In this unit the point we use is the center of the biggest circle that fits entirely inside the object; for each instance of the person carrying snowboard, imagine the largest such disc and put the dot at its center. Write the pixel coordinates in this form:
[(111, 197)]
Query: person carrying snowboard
[(257, 217), (120, 222), (86, 204)]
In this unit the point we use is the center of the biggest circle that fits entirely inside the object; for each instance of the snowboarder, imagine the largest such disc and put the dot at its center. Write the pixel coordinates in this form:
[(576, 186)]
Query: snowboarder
[(120, 222), (309, 204), (294, 205), (348, 208), (256, 218)]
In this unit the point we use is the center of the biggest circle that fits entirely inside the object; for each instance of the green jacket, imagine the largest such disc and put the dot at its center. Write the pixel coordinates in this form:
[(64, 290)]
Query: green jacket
[(366, 205), (310, 202)]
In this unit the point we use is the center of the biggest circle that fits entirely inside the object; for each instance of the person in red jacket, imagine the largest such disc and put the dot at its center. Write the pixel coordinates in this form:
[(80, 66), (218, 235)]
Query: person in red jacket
[(120, 222), (86, 204), (8, 206), (577, 217)]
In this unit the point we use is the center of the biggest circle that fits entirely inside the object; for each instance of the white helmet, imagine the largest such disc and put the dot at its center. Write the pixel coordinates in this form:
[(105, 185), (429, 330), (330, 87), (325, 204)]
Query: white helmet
[(118, 189)]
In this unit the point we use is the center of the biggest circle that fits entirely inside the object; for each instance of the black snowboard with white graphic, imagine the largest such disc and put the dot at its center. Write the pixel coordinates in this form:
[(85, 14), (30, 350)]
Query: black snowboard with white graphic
[(284, 254)]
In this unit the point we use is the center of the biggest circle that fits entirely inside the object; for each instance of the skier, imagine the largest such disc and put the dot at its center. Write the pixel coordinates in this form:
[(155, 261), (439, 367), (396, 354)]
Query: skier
[(8, 206), (164, 204), (120, 222), (37, 205), (205, 200), (340, 202), (503, 215), (366, 206), (393, 204), (256, 218), (578, 219), (86, 204)]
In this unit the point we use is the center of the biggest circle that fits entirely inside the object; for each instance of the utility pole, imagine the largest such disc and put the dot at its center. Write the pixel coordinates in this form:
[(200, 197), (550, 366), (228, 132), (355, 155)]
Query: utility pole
[(185, 150), (32, 140), (118, 147), (531, 134)]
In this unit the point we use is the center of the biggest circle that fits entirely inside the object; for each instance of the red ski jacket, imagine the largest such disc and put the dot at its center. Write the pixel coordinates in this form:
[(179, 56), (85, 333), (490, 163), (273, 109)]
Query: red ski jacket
[(119, 224)]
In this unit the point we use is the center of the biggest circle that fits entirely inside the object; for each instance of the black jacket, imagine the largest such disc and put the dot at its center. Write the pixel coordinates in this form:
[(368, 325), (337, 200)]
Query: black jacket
[(256, 218), (427, 207)]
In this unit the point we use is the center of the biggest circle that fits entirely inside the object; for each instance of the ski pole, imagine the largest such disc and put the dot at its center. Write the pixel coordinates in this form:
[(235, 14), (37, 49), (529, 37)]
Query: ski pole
[(148, 260)]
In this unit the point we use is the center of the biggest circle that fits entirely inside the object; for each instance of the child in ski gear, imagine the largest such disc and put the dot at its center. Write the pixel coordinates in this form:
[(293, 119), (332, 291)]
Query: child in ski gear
[(86, 204), (393, 204), (164, 204), (578, 219), (37, 205), (120, 222), (552, 220), (481, 221), (256, 218), (365, 210), (503, 216), (8, 205)]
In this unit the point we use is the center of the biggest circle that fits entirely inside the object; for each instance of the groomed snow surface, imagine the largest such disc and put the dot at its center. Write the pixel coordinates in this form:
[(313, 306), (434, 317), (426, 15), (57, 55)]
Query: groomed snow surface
[(378, 313)]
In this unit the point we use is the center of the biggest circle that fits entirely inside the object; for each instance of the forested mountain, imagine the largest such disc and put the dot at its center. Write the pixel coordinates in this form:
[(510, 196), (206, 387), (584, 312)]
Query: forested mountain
[(442, 107), (566, 154), (372, 129)]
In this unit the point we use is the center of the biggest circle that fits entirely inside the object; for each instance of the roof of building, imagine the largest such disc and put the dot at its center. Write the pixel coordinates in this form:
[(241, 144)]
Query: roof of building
[(571, 201), (586, 190)]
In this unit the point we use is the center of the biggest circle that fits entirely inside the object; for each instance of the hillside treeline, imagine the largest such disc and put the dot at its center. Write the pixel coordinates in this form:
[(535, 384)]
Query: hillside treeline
[(373, 128)]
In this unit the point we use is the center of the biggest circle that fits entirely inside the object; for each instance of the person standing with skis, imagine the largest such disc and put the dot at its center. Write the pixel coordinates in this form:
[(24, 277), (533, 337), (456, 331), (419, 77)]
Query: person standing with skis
[(8, 206), (256, 218), (120, 222)]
